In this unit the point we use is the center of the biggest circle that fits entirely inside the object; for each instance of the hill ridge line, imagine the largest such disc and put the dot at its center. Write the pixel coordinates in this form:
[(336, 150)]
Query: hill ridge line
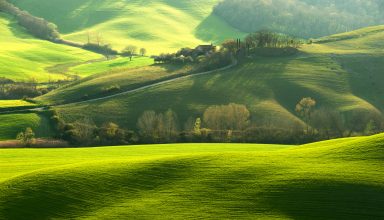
[(233, 64)]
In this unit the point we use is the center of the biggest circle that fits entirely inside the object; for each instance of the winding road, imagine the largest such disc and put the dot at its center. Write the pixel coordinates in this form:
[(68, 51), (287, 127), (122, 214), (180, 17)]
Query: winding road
[(37, 109)]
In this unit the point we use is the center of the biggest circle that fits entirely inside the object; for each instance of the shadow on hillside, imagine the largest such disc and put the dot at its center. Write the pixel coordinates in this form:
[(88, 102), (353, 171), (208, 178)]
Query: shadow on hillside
[(213, 29), (73, 193), (326, 199)]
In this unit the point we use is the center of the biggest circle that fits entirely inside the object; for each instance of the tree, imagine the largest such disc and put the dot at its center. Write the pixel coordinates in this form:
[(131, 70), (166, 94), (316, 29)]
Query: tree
[(27, 138), (197, 127), (227, 117), (129, 51), (143, 51), (170, 125), (230, 45), (304, 108)]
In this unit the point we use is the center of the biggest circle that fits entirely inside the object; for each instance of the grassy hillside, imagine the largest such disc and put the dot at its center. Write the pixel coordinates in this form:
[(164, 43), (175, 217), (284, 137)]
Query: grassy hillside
[(23, 57), (12, 124), (159, 26), (339, 179), (14, 103), (342, 75)]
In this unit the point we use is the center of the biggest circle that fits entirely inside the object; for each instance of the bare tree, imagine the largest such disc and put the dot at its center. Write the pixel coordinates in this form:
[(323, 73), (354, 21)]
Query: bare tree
[(304, 108), (129, 51), (143, 51)]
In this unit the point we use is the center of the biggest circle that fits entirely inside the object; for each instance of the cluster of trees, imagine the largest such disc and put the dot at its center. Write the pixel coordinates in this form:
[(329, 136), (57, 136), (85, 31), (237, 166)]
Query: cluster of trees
[(12, 90), (203, 58), (302, 18), (86, 133), (104, 49), (263, 43), (27, 137), (131, 50), (225, 123), (36, 26)]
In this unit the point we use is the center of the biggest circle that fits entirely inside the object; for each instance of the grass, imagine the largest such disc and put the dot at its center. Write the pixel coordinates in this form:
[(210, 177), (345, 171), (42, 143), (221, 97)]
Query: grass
[(339, 179), (14, 103), (12, 124), (337, 74), (126, 79), (118, 64), (160, 26), (23, 57)]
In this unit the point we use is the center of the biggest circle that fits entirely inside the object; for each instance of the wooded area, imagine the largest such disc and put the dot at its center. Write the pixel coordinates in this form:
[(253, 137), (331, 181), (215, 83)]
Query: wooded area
[(302, 18)]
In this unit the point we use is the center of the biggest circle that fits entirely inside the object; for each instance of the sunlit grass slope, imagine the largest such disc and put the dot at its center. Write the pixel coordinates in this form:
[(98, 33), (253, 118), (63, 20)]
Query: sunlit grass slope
[(14, 103), (158, 25), (343, 75), (118, 64), (23, 57), (12, 124), (339, 179)]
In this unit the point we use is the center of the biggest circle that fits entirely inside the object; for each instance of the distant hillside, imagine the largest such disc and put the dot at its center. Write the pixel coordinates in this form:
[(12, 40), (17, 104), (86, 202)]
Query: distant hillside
[(342, 75), (23, 57), (302, 18), (159, 26)]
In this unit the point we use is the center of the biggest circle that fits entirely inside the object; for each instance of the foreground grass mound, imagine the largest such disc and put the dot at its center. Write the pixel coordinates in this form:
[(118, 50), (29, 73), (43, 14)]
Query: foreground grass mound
[(339, 179), (23, 57), (160, 26)]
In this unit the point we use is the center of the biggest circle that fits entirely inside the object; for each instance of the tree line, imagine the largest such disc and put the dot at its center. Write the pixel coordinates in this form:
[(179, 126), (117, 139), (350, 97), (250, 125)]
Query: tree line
[(302, 18), (36, 26), (224, 123)]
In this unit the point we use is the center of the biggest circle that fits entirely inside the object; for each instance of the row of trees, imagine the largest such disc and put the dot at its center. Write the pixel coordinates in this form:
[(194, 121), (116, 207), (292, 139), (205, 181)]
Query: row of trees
[(302, 18), (19, 90), (36, 26), (225, 123)]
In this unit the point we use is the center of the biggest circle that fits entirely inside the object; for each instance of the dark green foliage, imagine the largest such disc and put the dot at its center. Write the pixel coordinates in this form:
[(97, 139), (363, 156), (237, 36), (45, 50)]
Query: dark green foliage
[(104, 49), (304, 18)]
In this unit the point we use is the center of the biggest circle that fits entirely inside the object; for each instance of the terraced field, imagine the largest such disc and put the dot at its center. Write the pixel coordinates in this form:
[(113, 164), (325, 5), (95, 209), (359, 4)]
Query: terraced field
[(338, 179), (160, 26), (23, 57), (342, 74)]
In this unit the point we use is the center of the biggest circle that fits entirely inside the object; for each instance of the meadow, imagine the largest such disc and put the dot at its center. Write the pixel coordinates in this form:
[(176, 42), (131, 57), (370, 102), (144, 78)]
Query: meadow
[(23, 58), (4, 104), (159, 26), (338, 179), (342, 74), (12, 124)]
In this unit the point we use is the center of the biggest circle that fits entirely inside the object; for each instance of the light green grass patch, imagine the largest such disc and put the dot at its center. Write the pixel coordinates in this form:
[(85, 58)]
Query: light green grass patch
[(159, 26), (120, 63), (23, 57), (14, 103)]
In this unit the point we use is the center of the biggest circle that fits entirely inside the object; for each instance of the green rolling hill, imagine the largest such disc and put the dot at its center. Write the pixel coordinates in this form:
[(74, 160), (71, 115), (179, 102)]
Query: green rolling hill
[(338, 179), (159, 26), (341, 74), (23, 57)]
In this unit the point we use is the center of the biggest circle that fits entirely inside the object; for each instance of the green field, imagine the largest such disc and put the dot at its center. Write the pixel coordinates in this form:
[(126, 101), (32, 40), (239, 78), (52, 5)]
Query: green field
[(118, 64), (160, 26), (14, 103), (339, 179), (342, 75), (23, 57), (12, 124)]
